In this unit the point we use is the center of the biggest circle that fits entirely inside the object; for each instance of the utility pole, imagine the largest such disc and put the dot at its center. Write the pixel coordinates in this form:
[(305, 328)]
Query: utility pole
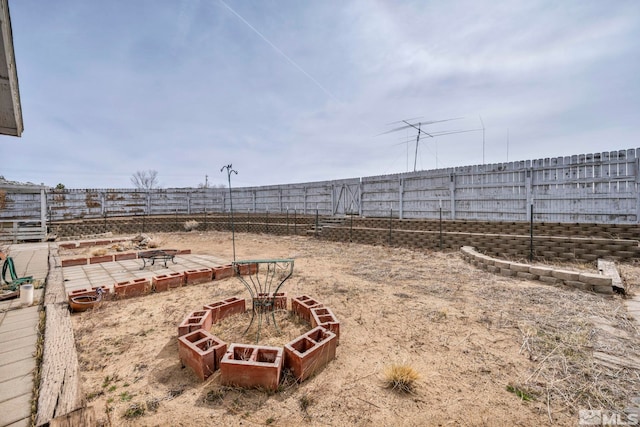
[(206, 181)]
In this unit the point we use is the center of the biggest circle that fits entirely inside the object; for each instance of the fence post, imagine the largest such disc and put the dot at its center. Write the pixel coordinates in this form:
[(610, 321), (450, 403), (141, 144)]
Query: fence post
[(295, 221), (401, 197), (287, 221), (452, 195), (316, 227), (390, 222), (351, 228), (440, 205), (531, 233)]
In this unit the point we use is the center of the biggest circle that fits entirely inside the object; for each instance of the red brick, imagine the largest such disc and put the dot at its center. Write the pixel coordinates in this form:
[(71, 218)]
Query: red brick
[(302, 306), (91, 291), (74, 261), (223, 272), (125, 256), (85, 244), (226, 308), (263, 298), (201, 351), (323, 316), (247, 269), (310, 352), (200, 275), (194, 321), (183, 252), (132, 288), (164, 282), (102, 242), (100, 259), (251, 366), (70, 245)]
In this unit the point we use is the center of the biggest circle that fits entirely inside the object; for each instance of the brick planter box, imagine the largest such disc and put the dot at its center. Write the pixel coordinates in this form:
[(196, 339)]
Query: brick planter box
[(226, 308), (194, 321), (74, 261), (90, 292), (201, 351), (223, 272), (323, 316), (164, 282), (262, 299), (100, 259), (310, 352), (302, 306), (124, 257), (72, 245), (132, 288), (247, 269), (200, 275), (251, 366)]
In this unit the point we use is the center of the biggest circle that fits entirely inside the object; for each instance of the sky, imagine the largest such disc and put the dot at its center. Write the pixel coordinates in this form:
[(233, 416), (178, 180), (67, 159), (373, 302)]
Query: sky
[(294, 91)]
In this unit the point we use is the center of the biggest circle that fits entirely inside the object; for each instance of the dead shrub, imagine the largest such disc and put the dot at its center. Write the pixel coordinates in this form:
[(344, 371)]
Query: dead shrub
[(98, 251), (401, 378), (191, 225)]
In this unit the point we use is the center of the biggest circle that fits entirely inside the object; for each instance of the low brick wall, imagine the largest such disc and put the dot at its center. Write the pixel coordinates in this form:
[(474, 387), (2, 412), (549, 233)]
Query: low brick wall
[(585, 281)]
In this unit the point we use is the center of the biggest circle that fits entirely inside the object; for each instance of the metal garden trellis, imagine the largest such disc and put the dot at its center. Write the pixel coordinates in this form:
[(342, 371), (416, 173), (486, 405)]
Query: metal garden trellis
[(233, 231)]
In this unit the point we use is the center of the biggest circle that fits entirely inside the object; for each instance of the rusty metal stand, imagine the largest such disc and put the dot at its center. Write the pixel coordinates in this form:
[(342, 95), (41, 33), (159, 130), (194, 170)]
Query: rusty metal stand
[(263, 286)]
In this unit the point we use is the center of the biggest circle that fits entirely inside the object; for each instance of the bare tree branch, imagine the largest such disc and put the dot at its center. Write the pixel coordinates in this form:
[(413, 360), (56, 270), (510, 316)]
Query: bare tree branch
[(145, 180)]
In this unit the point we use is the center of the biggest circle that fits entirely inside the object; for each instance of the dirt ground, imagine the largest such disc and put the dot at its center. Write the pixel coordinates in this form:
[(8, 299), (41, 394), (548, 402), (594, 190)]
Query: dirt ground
[(489, 350)]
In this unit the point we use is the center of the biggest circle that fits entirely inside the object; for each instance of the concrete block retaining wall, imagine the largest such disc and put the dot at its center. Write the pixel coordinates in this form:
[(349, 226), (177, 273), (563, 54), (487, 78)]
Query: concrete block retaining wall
[(554, 276), (254, 223), (582, 242), (548, 247)]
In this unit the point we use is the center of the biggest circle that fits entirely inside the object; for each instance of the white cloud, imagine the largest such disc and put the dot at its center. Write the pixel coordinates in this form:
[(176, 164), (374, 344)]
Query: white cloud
[(186, 87)]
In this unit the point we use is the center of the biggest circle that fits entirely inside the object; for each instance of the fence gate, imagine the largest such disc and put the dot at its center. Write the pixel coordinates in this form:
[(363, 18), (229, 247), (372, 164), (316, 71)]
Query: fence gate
[(346, 198)]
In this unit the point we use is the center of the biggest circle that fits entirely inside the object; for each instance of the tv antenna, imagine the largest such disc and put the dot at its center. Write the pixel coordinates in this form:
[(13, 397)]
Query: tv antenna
[(412, 124)]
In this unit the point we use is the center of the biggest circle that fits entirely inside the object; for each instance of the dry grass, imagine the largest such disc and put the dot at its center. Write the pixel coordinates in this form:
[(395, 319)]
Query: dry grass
[(98, 251), (401, 378), (530, 349), (191, 225)]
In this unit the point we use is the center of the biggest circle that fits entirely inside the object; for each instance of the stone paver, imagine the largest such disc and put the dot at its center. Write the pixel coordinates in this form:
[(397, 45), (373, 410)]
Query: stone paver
[(22, 385), (18, 337), (108, 273), (16, 410), (18, 324)]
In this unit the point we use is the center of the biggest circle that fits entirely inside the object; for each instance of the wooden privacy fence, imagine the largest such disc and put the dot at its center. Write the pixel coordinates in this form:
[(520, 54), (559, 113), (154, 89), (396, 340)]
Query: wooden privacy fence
[(586, 188)]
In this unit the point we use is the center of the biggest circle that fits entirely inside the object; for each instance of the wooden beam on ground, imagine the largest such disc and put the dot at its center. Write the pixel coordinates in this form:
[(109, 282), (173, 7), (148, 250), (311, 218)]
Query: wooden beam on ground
[(608, 268), (79, 418), (60, 392)]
